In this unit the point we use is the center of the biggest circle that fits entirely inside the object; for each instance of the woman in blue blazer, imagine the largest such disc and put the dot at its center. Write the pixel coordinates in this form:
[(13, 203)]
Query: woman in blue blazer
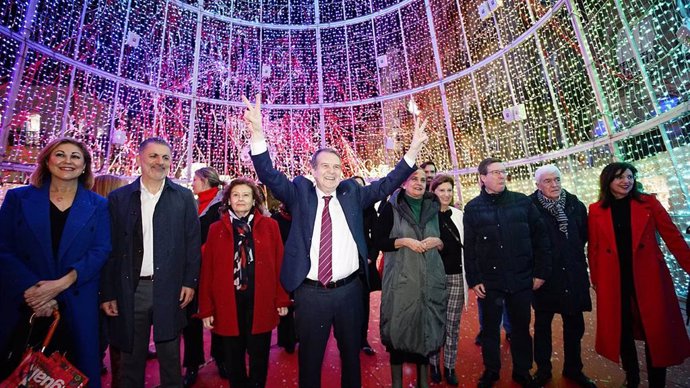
[(54, 239)]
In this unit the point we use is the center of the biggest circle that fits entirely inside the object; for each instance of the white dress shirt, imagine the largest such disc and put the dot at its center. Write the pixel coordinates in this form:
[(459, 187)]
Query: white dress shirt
[(345, 254), (148, 205)]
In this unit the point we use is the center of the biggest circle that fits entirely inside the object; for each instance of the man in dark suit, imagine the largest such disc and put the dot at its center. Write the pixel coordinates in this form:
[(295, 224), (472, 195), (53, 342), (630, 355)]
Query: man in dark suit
[(326, 249), (153, 270)]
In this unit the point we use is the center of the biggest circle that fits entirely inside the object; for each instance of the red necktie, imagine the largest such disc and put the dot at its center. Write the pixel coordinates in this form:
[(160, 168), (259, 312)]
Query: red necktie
[(326, 246)]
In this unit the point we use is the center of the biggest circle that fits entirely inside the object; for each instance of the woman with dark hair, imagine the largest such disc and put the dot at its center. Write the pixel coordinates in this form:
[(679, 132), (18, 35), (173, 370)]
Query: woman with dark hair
[(54, 239), (450, 223), (207, 186), (635, 294), (413, 296), (240, 296)]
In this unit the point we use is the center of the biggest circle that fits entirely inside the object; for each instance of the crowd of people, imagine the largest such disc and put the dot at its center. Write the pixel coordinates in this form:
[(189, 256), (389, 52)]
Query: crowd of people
[(159, 259)]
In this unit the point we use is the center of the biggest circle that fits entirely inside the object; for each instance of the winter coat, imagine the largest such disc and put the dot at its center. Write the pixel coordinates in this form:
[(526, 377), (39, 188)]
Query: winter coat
[(567, 289), (414, 296), (176, 259), (506, 244), (658, 304), (216, 289), (26, 257), (457, 216)]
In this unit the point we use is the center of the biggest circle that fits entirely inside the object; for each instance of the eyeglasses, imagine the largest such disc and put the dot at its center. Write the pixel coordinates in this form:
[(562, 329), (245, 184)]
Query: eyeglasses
[(497, 172)]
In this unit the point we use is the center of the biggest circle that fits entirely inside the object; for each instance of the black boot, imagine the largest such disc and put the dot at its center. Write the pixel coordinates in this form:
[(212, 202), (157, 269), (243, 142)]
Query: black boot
[(396, 375), (422, 376), (190, 376), (435, 373), (450, 376)]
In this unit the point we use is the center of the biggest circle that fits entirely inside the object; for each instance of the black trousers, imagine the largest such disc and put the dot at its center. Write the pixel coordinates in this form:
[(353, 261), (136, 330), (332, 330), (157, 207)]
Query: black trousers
[(236, 348), (316, 311), (287, 338), (193, 336), (365, 317), (657, 376), (134, 364), (519, 306), (573, 330)]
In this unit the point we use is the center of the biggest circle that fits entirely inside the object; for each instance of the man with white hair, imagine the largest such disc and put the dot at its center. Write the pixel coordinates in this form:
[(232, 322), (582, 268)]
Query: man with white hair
[(566, 291)]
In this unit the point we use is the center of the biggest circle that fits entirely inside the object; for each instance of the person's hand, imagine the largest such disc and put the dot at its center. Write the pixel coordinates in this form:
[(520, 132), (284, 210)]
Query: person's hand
[(208, 322), (536, 283), (110, 308), (47, 309), (432, 242), (480, 290), (40, 293), (419, 138), (252, 116), (186, 296), (282, 311), (415, 245)]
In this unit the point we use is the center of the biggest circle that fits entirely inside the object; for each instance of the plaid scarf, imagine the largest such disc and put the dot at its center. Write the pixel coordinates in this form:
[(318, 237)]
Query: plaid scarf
[(244, 248), (557, 209)]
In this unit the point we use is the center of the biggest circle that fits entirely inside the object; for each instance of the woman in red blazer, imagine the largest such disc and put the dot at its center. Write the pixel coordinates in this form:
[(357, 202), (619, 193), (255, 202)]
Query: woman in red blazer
[(240, 296), (635, 294)]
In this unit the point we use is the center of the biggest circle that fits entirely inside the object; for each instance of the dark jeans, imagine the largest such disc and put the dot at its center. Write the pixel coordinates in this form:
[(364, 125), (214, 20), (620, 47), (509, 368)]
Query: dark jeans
[(519, 310), (573, 330), (316, 311)]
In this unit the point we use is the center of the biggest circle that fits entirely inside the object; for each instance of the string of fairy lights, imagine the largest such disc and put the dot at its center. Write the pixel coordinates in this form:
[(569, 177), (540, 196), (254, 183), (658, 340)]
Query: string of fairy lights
[(597, 80)]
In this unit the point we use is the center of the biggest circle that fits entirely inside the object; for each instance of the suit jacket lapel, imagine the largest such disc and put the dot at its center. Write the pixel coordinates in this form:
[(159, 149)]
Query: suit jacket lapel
[(36, 206), (312, 204), (344, 197), (81, 211)]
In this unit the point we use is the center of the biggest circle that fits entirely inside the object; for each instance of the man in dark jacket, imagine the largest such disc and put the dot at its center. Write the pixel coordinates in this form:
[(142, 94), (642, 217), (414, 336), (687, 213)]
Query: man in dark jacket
[(507, 255), (155, 235), (566, 291)]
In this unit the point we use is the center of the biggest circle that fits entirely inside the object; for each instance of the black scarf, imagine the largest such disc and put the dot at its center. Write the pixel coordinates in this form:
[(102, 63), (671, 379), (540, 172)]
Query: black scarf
[(244, 248), (557, 209)]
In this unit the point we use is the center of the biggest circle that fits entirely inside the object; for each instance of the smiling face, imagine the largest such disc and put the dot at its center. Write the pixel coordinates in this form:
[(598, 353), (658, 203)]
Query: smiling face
[(550, 185), (622, 184), (154, 161), (241, 200), (495, 179), (415, 185), (444, 192), (327, 172), (66, 162)]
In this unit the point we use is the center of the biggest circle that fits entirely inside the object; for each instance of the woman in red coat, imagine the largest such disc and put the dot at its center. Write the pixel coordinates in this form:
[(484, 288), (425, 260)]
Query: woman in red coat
[(240, 296), (635, 294)]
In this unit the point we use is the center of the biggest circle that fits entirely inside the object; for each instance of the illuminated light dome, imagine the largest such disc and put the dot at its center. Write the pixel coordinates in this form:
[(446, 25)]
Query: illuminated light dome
[(571, 82)]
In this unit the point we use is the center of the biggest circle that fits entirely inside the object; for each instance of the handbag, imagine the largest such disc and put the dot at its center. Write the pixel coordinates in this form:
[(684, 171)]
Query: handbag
[(38, 370)]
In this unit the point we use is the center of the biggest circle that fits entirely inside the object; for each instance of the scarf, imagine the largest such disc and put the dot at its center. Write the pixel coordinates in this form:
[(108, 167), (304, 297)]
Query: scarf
[(205, 198), (557, 209), (244, 248)]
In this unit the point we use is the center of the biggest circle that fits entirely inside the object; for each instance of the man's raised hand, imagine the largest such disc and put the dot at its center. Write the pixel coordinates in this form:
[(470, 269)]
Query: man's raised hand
[(252, 116), (419, 138)]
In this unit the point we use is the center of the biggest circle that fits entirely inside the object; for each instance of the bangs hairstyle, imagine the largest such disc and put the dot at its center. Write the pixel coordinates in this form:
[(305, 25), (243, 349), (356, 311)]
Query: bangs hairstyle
[(210, 175), (41, 174), (106, 183), (312, 162), (611, 172), (441, 179), (257, 196)]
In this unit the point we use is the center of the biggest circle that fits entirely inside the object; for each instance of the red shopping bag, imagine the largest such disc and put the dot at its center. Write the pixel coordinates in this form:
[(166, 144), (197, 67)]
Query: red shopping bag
[(38, 370)]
